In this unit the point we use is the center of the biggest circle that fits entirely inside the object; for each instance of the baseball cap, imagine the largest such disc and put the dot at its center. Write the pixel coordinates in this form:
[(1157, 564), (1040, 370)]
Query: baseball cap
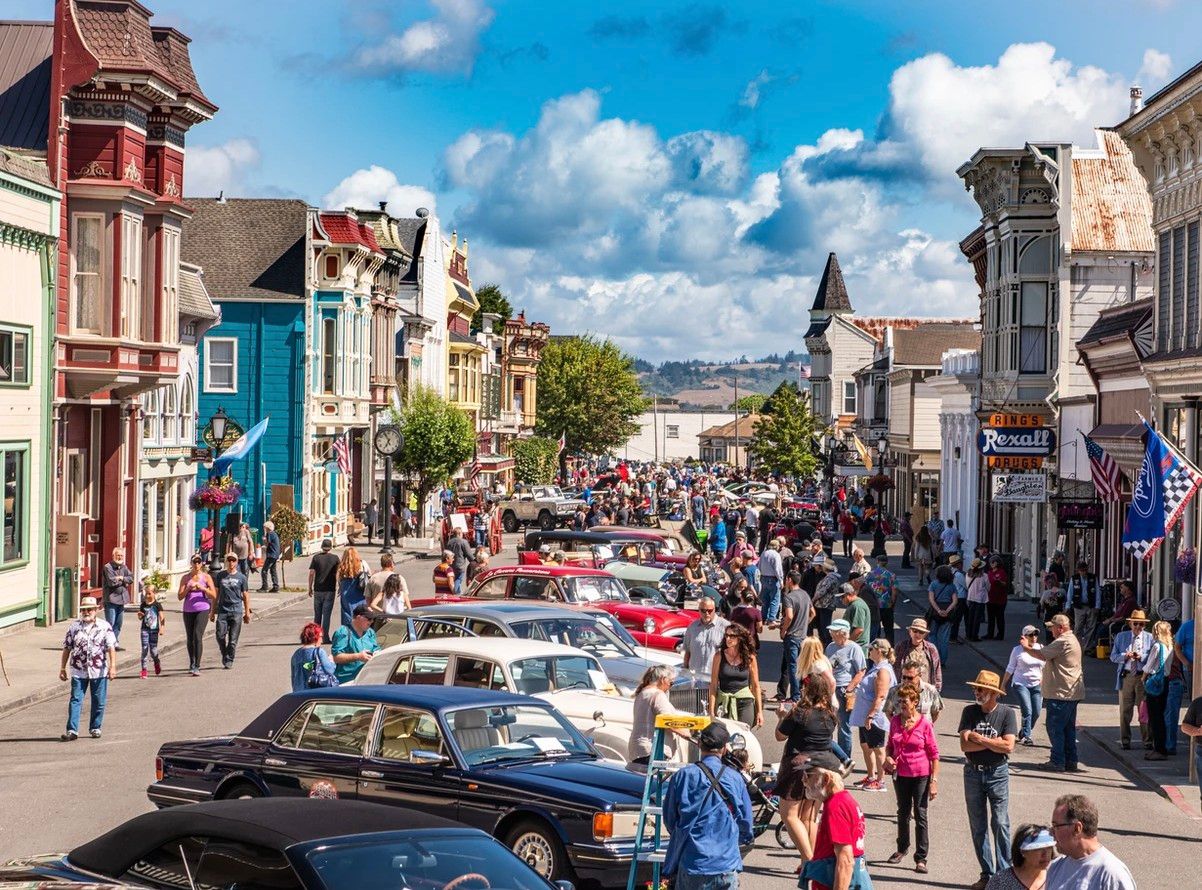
[(714, 736), (839, 624), (327, 544), (1030, 630), (823, 760)]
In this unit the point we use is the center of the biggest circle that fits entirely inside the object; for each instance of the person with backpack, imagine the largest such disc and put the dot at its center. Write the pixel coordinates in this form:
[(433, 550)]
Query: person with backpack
[(312, 666)]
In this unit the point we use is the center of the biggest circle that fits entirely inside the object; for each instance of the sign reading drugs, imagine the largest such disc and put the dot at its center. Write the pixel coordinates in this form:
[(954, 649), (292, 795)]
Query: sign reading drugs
[(1020, 488)]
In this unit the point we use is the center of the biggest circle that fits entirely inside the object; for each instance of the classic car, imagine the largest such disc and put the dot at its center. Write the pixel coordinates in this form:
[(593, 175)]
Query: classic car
[(599, 546), (284, 844), (570, 679), (543, 505), (656, 625), (679, 535), (510, 765), (596, 632)]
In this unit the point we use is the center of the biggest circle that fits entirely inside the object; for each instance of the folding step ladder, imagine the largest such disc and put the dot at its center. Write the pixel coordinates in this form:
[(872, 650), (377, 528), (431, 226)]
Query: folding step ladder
[(654, 848)]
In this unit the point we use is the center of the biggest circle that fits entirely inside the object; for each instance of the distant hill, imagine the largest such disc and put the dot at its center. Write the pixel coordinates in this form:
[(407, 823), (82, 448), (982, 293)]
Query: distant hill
[(701, 384)]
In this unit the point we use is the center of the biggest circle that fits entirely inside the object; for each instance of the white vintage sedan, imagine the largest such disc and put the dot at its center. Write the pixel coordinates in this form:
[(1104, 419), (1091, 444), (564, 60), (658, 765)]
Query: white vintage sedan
[(570, 679)]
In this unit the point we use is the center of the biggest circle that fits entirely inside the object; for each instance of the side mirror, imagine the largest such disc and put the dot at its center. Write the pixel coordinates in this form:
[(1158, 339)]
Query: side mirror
[(599, 717), (737, 742), (649, 625), (427, 758)]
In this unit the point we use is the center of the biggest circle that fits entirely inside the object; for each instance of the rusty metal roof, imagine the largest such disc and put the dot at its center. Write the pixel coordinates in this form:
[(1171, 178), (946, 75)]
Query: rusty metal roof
[(1111, 209), (25, 83)]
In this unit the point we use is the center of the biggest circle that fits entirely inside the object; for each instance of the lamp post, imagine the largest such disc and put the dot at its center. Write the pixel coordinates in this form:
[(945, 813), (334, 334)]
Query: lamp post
[(831, 443), (217, 426)]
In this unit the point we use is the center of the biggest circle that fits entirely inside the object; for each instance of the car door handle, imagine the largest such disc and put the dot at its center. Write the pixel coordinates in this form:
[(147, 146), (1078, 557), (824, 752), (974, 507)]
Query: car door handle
[(371, 774), (274, 761)]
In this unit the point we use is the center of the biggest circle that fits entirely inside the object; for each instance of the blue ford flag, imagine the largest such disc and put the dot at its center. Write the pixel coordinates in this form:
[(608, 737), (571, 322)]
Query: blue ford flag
[(1165, 485), (241, 448)]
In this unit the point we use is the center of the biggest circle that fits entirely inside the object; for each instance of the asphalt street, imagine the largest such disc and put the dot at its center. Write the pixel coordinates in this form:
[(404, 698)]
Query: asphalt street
[(55, 795)]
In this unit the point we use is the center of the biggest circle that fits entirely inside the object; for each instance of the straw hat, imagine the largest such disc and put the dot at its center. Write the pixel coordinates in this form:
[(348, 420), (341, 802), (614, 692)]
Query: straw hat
[(1138, 615), (920, 625), (989, 681), (88, 602)]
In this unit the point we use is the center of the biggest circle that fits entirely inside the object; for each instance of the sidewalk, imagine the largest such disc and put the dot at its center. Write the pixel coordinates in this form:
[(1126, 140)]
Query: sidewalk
[(31, 657), (1097, 716)]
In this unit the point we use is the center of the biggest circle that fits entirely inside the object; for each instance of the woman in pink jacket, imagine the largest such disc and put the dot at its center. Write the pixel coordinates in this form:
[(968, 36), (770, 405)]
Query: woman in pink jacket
[(913, 759)]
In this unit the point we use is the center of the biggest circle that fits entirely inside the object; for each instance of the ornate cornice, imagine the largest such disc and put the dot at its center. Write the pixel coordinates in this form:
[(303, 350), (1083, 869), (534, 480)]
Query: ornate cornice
[(24, 239)]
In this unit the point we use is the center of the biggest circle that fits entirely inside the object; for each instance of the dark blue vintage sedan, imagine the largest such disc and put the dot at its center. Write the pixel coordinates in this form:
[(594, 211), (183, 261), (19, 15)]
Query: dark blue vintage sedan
[(508, 764)]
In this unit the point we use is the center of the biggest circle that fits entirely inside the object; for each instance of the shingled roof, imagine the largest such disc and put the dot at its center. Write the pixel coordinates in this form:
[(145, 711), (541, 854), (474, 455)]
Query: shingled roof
[(924, 345), (25, 83), (193, 297), (832, 291), (250, 248), (1117, 321)]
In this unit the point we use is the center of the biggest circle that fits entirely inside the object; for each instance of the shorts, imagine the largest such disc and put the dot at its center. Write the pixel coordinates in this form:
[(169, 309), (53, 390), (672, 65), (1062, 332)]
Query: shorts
[(790, 782), (872, 736)]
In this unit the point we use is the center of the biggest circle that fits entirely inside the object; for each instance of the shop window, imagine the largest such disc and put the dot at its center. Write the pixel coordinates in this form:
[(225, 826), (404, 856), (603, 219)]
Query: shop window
[(14, 467), (221, 364), (14, 356)]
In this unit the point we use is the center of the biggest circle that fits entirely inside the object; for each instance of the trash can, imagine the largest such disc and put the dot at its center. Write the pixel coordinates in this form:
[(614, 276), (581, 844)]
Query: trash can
[(65, 598)]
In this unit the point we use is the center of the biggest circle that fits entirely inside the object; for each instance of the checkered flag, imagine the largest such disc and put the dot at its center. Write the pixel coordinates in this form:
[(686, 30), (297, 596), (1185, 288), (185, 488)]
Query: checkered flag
[(1181, 481), (1166, 483)]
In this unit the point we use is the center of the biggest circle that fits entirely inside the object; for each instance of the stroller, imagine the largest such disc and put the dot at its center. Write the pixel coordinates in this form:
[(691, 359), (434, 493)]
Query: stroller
[(765, 804)]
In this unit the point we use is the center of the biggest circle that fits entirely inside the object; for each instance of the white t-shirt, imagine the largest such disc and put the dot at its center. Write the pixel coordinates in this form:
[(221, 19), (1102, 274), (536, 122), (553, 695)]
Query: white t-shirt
[(1100, 870)]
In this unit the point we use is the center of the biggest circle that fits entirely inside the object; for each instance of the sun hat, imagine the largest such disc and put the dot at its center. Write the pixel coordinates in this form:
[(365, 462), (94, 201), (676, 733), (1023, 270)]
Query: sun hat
[(920, 625), (1039, 841), (954, 559), (839, 625), (989, 681), (88, 602), (1138, 615), (976, 564)]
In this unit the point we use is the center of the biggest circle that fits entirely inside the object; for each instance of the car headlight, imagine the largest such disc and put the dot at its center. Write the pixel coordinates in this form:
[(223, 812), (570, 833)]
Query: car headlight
[(620, 825)]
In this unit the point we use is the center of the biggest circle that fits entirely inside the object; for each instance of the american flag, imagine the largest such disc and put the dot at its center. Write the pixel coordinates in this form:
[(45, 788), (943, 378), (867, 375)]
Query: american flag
[(1107, 477), (474, 471), (342, 451)]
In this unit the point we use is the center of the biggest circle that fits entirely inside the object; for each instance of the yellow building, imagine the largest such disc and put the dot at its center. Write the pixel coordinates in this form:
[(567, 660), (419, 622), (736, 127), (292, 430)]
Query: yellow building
[(464, 352)]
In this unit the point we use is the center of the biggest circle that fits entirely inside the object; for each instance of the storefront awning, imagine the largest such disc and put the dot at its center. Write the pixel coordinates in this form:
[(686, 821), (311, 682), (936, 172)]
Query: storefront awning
[(495, 463), (1122, 441)]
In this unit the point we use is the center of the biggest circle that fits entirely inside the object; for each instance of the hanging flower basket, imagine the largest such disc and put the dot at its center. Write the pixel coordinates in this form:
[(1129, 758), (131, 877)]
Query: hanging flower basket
[(1186, 567), (880, 482), (218, 492)]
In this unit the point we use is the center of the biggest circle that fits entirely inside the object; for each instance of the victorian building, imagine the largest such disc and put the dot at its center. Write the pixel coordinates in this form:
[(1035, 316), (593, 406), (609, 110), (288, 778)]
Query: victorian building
[(957, 384), (1064, 235)]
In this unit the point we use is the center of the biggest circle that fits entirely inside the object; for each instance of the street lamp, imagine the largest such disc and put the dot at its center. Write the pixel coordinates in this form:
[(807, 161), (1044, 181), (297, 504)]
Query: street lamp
[(217, 427), (882, 445)]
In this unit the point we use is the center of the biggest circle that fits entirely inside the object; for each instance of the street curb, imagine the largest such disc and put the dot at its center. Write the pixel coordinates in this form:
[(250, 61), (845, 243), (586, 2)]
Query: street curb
[(53, 690)]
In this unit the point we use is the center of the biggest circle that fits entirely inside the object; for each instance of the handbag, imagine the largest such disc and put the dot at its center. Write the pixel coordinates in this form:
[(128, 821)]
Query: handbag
[(1154, 684), (1143, 711), (316, 676)]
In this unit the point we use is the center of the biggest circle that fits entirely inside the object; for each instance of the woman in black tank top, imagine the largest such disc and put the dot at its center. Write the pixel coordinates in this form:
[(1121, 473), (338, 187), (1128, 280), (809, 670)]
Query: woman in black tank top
[(735, 679)]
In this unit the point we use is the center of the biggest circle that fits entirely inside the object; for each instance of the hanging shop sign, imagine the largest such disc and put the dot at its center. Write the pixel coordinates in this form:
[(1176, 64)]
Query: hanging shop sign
[(1016, 447), (1028, 421), (1020, 488), (1079, 514)]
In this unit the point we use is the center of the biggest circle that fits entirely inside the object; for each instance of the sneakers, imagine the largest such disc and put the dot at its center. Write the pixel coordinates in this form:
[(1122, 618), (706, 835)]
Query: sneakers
[(95, 733), (158, 668), (846, 768), (860, 783), (143, 674), (873, 785), (68, 736), (1028, 742)]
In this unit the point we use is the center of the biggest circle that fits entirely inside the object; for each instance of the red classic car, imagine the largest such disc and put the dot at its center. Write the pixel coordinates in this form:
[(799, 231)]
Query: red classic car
[(658, 626)]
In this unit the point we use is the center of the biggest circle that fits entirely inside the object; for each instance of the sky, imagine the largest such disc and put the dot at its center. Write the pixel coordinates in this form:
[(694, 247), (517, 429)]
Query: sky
[(669, 174)]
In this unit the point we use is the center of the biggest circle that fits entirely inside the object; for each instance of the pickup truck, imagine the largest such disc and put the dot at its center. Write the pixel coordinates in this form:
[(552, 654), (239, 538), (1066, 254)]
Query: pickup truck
[(542, 505)]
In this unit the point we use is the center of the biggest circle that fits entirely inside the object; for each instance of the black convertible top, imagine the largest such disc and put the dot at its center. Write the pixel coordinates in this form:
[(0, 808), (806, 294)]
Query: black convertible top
[(275, 823)]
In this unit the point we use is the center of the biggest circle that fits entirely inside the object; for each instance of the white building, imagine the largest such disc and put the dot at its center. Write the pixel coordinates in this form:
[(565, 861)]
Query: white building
[(673, 434), (957, 385), (29, 222)]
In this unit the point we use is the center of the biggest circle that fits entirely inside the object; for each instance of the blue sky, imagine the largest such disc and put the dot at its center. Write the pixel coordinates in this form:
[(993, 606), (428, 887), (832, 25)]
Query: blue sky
[(671, 174)]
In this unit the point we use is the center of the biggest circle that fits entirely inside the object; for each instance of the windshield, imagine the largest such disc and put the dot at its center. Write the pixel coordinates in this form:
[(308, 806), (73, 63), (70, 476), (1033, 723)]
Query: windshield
[(591, 635), (515, 732), (551, 672), (421, 861), (595, 589)]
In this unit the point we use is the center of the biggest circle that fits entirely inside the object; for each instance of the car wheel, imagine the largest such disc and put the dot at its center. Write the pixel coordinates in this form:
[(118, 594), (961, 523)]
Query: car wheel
[(241, 791), (509, 522), (546, 521), (536, 845)]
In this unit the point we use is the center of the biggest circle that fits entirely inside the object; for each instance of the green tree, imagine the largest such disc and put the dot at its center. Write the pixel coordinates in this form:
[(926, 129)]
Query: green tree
[(588, 390), (491, 299), (784, 438), (439, 438), (292, 528), (535, 460), (749, 404)]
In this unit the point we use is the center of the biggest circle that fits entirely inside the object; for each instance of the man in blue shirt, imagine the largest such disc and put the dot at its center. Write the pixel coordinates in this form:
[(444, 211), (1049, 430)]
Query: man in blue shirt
[(707, 825), (353, 646)]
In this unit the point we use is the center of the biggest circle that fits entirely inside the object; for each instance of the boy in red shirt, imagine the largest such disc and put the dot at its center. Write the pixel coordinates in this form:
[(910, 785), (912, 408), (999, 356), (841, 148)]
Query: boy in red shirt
[(838, 862)]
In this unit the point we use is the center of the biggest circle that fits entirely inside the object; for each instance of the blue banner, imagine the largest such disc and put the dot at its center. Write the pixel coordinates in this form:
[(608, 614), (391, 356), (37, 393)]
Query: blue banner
[(1144, 528), (241, 448)]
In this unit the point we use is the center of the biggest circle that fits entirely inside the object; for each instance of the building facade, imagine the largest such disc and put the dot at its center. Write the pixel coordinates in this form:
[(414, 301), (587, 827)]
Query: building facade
[(672, 434), (958, 386)]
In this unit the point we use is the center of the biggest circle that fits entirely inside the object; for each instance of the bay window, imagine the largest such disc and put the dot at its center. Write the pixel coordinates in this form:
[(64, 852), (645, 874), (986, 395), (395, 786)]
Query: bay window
[(89, 303), (131, 278), (329, 342), (1033, 328)]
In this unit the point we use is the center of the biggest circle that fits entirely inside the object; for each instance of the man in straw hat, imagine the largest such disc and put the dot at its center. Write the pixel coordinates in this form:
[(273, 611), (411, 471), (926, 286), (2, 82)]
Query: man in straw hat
[(89, 662), (916, 641), (987, 734), (1063, 688), (1130, 648)]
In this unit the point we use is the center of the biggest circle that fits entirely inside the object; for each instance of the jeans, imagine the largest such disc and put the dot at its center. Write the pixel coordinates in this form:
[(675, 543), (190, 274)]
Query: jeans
[(997, 620), (725, 881), (269, 564), (1061, 724), (770, 597), (481, 536), (229, 628), (114, 614), (848, 541), (1030, 701), (1172, 714), (941, 634), (323, 610), (987, 797), (347, 603), (972, 622), (244, 566), (912, 799), (843, 732), (150, 646), (194, 630), (789, 684), (99, 688)]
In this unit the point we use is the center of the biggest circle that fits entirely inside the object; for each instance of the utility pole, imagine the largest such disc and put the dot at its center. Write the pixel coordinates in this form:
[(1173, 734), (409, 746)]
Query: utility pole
[(737, 459), (655, 424)]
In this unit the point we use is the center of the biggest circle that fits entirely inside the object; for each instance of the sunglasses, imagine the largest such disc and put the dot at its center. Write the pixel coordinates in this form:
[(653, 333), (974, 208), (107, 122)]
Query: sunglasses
[(706, 611)]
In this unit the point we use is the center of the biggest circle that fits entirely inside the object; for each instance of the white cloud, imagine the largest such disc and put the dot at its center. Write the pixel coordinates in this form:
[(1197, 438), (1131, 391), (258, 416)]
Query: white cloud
[(220, 168), (448, 43), (1156, 68), (753, 92), (366, 188)]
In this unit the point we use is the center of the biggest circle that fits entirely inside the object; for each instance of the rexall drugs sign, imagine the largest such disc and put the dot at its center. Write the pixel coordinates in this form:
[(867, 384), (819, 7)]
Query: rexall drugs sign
[(993, 441)]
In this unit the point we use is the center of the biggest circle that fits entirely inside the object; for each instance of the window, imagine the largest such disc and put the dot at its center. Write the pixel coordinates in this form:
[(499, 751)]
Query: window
[(187, 414), (403, 731), (1164, 295), (1033, 333), (672, 431), (453, 374), (14, 465), (534, 589), (150, 415), (424, 670), (482, 628), (1178, 319), (337, 728), (14, 356), (88, 304), (289, 735), (478, 673), (221, 364), (169, 417), (233, 863), (332, 266), (329, 342), (493, 589), (849, 397), (79, 489), (131, 278), (169, 305)]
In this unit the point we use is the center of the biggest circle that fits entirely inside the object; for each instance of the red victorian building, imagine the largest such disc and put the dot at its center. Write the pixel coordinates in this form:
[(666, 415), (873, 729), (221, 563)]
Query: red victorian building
[(122, 97)]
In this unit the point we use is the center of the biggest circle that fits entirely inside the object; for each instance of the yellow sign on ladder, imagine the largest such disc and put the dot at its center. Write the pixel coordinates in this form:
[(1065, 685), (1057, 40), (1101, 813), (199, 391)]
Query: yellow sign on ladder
[(682, 721)]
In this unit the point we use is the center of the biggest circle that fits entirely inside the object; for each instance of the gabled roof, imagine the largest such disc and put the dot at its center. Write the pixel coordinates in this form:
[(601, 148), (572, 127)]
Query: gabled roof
[(832, 292), (249, 247), (25, 83), (923, 346), (1111, 208), (32, 168)]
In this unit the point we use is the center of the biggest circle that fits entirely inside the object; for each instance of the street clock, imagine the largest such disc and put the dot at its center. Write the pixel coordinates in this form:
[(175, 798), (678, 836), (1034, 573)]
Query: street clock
[(389, 441)]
